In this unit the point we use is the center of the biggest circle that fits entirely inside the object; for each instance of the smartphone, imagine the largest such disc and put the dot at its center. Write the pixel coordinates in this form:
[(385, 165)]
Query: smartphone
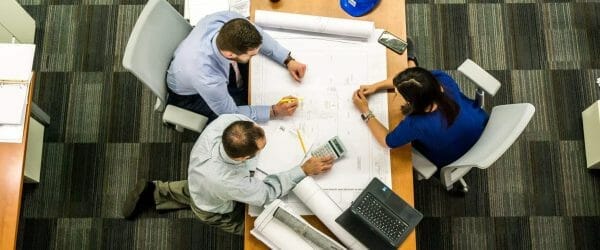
[(392, 42)]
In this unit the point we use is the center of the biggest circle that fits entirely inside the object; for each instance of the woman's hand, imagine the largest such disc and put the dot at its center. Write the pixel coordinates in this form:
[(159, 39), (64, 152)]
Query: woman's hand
[(360, 101), (367, 90)]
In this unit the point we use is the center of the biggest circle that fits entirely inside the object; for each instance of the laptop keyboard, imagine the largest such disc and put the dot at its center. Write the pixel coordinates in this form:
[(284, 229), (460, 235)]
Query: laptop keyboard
[(371, 209)]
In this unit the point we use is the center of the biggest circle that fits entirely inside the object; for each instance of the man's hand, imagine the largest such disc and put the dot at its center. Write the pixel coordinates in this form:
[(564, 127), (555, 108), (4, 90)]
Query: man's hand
[(296, 69), (286, 108), (360, 101), (317, 165)]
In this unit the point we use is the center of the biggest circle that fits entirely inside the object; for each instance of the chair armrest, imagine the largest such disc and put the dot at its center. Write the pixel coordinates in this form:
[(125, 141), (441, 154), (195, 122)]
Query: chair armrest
[(39, 114), (480, 77), (184, 118), (422, 165)]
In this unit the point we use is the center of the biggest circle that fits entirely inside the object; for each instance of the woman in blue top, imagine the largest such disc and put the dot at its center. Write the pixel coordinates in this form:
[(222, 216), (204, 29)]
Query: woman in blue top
[(439, 120)]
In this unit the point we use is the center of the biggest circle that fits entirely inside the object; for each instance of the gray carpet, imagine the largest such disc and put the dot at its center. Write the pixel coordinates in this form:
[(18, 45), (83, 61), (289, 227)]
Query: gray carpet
[(104, 134)]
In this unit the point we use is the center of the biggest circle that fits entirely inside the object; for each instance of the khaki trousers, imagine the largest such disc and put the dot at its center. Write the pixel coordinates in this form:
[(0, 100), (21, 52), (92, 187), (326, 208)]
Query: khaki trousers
[(176, 195)]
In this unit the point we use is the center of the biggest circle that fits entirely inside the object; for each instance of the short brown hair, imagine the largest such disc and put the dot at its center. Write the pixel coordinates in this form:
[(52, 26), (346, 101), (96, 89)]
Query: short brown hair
[(239, 139), (238, 36)]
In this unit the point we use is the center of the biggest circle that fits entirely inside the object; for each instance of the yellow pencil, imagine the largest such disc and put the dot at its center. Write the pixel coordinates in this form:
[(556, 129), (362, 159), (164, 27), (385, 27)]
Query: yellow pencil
[(288, 100), (301, 141)]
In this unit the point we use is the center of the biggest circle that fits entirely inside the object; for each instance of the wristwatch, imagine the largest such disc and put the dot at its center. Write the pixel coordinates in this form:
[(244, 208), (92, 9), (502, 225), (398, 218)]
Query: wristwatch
[(288, 59), (366, 116)]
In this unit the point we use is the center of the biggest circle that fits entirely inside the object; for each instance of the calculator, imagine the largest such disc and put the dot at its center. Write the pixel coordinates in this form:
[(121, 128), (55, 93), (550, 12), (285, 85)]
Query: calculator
[(333, 147)]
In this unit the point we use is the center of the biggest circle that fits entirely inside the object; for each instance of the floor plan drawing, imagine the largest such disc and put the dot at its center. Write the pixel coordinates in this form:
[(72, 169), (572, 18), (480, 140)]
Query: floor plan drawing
[(335, 69)]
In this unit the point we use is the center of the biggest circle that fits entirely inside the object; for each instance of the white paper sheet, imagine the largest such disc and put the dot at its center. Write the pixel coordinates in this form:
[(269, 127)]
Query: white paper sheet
[(11, 133), (194, 10), (335, 69), (313, 197), (16, 62), (283, 147), (13, 100), (242, 7)]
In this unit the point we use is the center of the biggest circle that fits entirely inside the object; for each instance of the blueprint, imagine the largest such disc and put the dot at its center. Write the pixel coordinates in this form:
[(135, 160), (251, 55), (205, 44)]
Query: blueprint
[(336, 67)]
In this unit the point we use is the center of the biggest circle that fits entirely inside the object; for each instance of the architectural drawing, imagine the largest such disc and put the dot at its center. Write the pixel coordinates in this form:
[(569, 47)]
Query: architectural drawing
[(335, 69)]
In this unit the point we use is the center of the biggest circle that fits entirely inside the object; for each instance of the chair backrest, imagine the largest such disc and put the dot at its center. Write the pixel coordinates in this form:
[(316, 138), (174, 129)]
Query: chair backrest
[(504, 126), (154, 38), (480, 77)]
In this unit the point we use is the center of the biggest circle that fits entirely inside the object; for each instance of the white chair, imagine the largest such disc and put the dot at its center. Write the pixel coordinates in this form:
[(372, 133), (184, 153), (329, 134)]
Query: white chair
[(155, 36), (504, 126)]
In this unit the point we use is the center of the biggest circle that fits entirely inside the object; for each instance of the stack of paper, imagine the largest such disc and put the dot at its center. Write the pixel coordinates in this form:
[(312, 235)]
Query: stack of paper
[(16, 62), (194, 10), (13, 100)]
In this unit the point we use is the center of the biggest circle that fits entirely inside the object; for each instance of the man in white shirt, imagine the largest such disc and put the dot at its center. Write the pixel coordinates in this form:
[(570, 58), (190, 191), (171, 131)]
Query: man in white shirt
[(220, 177)]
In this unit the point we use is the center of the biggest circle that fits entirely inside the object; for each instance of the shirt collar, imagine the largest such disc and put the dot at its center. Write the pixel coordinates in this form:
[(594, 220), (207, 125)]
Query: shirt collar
[(217, 52), (226, 157)]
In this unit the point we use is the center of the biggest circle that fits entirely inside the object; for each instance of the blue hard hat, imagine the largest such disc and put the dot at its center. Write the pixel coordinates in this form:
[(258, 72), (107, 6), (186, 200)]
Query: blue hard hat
[(358, 8)]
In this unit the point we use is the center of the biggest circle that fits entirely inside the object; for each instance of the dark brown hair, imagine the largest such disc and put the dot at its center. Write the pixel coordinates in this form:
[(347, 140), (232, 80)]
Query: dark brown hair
[(239, 139), (421, 90), (238, 36)]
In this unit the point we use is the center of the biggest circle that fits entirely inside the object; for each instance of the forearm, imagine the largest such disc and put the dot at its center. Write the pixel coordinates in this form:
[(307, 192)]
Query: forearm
[(223, 103), (378, 130), (261, 192), (258, 113), (411, 64), (272, 49), (384, 85)]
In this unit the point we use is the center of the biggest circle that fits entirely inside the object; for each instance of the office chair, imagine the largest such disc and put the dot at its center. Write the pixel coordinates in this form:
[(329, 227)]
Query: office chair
[(504, 126), (155, 36)]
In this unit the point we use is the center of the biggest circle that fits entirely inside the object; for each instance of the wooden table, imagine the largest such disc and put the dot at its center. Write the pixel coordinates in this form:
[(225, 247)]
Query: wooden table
[(12, 164), (389, 15)]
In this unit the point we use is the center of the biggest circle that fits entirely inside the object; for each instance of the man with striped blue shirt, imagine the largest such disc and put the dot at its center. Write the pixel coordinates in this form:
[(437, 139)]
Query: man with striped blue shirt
[(208, 73)]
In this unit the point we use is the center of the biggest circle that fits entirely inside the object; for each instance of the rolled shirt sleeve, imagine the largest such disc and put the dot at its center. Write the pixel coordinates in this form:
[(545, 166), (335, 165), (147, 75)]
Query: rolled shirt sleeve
[(258, 193), (271, 48), (214, 91)]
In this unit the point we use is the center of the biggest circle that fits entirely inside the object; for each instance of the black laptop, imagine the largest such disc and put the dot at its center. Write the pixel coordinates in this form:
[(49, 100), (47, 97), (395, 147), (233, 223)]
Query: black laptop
[(379, 218)]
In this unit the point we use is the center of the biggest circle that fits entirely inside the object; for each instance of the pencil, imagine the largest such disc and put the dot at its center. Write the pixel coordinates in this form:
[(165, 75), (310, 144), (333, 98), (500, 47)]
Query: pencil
[(301, 141), (288, 100)]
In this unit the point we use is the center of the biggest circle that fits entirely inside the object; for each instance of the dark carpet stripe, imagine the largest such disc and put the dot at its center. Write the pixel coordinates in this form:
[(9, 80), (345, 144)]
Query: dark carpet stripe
[(542, 230), (85, 112), (526, 46), (587, 229), (124, 106)]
